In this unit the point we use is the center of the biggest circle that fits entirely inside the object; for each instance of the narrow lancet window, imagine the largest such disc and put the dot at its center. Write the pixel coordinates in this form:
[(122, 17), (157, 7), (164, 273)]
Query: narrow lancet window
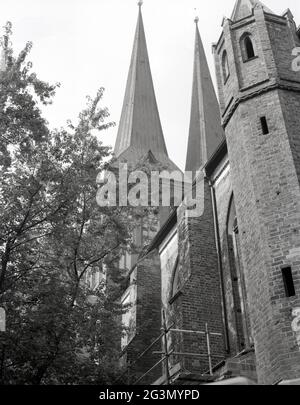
[(225, 66), (247, 47)]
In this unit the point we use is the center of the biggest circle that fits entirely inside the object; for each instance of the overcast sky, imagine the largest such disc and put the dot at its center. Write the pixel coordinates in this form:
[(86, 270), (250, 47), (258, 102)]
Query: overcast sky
[(86, 44)]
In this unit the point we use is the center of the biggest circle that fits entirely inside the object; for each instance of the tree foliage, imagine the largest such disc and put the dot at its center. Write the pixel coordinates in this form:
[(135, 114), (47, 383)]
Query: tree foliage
[(53, 237)]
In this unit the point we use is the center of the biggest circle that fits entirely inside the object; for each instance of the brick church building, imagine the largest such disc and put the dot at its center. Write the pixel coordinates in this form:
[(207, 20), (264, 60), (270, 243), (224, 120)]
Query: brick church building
[(217, 297)]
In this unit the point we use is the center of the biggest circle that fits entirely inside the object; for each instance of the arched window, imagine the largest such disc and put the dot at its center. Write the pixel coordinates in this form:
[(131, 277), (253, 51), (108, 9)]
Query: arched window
[(247, 46), (225, 66), (239, 318)]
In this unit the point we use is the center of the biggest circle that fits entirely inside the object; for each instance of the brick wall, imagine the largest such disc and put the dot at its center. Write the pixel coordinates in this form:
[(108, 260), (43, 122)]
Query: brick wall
[(290, 104), (148, 319), (265, 181), (267, 198), (243, 365), (223, 190), (274, 38), (237, 312), (200, 299)]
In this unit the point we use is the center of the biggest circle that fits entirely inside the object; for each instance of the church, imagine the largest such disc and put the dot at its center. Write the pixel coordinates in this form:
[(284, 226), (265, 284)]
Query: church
[(216, 298)]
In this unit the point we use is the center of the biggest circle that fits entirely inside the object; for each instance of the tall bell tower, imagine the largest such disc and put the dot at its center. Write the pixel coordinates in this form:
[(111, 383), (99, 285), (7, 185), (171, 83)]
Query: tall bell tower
[(140, 136), (259, 94), (140, 141)]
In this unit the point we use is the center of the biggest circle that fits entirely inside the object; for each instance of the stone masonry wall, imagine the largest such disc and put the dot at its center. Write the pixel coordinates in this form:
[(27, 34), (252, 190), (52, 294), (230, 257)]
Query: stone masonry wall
[(267, 196), (148, 319), (200, 299), (265, 180)]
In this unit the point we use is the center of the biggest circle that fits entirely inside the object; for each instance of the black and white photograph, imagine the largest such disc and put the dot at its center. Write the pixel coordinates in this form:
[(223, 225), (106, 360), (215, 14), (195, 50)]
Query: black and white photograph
[(149, 196)]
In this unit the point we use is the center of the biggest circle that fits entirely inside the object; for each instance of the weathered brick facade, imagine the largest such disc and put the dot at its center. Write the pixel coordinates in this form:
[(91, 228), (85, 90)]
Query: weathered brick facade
[(199, 301), (147, 281), (264, 170), (224, 268)]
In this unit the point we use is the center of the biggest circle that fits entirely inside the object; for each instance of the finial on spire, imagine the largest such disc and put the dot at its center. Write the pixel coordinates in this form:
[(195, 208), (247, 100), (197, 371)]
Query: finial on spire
[(140, 3), (196, 20)]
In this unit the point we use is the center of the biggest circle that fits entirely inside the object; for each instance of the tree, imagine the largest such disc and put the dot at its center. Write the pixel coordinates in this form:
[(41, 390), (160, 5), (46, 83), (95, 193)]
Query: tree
[(21, 122), (54, 237)]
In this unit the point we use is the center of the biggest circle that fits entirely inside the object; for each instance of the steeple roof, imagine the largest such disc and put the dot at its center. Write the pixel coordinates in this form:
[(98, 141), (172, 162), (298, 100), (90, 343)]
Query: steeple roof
[(140, 129), (243, 8), (205, 133)]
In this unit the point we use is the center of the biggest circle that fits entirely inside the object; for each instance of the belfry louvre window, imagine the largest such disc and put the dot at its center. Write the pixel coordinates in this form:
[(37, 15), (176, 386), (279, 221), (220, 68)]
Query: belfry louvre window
[(247, 47), (225, 66)]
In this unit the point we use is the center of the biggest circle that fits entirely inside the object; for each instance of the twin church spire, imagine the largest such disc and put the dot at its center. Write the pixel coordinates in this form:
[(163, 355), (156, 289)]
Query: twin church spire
[(205, 133), (140, 129)]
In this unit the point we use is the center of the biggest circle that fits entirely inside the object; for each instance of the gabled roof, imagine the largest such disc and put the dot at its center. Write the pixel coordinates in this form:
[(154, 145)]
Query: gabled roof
[(243, 9)]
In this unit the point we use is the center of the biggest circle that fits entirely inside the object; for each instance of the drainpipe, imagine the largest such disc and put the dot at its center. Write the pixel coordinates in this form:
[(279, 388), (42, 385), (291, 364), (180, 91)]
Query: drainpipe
[(220, 263)]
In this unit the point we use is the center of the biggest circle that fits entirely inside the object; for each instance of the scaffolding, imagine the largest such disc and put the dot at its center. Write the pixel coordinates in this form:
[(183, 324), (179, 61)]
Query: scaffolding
[(166, 354)]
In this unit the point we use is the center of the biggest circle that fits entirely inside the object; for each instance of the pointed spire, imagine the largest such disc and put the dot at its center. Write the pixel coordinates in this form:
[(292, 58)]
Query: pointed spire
[(243, 8), (140, 129), (205, 132)]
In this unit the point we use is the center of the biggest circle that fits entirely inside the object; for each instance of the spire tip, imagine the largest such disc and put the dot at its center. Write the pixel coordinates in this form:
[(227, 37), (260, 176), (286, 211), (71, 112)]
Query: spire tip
[(140, 3), (196, 19)]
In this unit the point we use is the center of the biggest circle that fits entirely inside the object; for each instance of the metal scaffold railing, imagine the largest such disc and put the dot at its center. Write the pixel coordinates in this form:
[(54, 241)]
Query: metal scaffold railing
[(166, 354)]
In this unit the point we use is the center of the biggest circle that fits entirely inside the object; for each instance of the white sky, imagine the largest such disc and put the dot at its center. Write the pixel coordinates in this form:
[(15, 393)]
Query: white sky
[(86, 44)]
